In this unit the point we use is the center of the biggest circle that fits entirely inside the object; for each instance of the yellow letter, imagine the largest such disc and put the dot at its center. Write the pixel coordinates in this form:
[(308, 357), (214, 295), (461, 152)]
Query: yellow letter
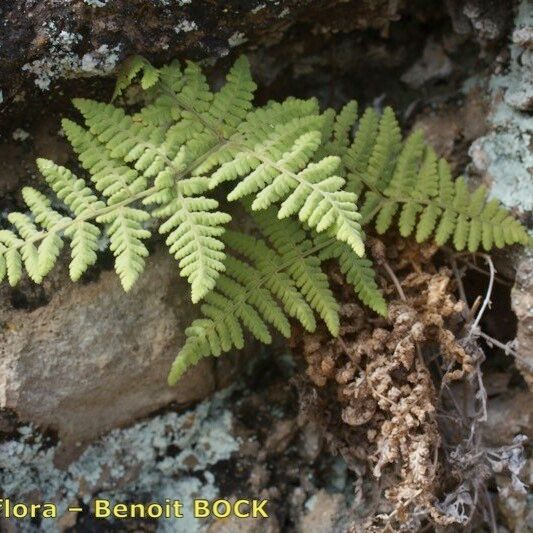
[(225, 504), (154, 510), (177, 507), (120, 510), (6, 504), (257, 508), (34, 507), (101, 509), (201, 508), (237, 506), (49, 510), (20, 510), (134, 507)]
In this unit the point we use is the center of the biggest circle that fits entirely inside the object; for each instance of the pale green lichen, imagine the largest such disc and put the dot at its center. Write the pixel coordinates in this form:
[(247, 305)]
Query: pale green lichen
[(185, 26), (505, 155), (63, 62), (168, 456)]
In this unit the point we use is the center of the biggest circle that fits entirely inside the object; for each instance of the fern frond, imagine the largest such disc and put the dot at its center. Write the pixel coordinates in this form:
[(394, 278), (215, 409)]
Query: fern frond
[(124, 224), (274, 173), (11, 260), (194, 233), (244, 299), (337, 129), (275, 277), (358, 271), (291, 243), (125, 230), (263, 288), (405, 181), (129, 70), (233, 102), (271, 159), (266, 286), (194, 229), (159, 166), (358, 154)]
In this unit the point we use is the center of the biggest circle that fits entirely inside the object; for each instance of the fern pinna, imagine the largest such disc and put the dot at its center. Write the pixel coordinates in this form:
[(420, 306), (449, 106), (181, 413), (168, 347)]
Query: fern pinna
[(306, 180)]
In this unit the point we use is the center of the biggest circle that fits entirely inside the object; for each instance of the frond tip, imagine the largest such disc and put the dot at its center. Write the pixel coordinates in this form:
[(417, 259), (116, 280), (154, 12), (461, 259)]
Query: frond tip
[(405, 181)]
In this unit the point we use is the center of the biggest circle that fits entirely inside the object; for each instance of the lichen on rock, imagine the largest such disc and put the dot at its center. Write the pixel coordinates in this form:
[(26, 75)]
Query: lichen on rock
[(167, 456), (504, 156)]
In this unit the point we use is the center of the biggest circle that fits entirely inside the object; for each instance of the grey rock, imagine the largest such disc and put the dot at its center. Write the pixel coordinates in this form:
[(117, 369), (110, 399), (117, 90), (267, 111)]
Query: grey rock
[(94, 357), (132, 464)]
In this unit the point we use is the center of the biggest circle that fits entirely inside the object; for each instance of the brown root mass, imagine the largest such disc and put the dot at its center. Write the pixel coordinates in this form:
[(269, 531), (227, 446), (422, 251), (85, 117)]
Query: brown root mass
[(387, 394)]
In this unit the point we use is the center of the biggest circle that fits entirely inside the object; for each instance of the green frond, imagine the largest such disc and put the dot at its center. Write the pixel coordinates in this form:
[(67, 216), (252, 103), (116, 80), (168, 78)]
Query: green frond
[(233, 102), (113, 178), (357, 156), (130, 69), (291, 243), (194, 229), (406, 183), (126, 233), (274, 277), (300, 173), (261, 286), (358, 271), (281, 169), (381, 164), (344, 123), (239, 302), (71, 190), (84, 245), (337, 129)]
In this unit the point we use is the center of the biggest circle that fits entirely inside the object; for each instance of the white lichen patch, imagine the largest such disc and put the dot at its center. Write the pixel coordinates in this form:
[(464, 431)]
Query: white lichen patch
[(149, 461), (96, 3), (20, 135), (61, 59), (179, 3), (63, 62), (504, 156), (185, 26), (101, 61), (237, 39)]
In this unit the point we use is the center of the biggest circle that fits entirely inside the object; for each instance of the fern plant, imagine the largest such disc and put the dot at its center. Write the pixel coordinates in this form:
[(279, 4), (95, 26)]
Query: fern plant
[(299, 173)]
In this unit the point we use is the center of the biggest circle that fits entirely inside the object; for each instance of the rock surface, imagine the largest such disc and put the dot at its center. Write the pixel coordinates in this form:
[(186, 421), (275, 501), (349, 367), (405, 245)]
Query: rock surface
[(48, 40), (212, 451), (94, 358), (522, 298)]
